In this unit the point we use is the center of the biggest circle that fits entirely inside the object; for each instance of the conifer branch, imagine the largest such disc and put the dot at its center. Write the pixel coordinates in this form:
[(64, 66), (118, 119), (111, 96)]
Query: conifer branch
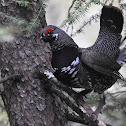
[(34, 23), (71, 7), (122, 6), (79, 9), (93, 18), (25, 3), (14, 20), (29, 26)]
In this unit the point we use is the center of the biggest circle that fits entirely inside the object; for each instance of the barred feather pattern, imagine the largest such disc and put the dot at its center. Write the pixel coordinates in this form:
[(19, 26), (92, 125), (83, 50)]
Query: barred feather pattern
[(101, 82), (79, 75), (107, 43), (71, 75), (97, 81)]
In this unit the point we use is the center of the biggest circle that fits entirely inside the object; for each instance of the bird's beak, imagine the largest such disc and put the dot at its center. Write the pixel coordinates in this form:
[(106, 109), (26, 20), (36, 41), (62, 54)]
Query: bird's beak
[(41, 37)]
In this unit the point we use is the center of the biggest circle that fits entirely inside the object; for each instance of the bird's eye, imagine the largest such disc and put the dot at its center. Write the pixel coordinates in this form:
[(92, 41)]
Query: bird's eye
[(49, 32)]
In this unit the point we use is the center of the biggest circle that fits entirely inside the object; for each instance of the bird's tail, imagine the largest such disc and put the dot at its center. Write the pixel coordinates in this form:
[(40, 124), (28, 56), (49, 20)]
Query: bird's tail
[(112, 16)]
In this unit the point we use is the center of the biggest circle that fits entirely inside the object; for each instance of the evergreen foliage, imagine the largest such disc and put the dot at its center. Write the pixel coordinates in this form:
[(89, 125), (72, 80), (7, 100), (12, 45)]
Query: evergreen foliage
[(79, 8), (13, 20), (25, 3), (27, 25)]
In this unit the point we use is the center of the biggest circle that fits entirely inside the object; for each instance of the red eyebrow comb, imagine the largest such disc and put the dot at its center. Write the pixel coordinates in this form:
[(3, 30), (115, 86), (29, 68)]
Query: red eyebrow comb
[(49, 29)]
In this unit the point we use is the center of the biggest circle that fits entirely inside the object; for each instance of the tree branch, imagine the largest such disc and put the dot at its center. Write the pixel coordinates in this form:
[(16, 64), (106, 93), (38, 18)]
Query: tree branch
[(74, 118), (53, 86), (71, 7)]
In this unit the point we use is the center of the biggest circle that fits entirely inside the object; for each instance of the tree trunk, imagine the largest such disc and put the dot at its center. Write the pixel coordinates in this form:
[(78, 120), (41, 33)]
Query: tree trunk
[(26, 101)]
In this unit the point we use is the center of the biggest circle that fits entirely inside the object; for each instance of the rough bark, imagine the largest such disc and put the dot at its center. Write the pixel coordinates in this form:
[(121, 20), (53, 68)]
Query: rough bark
[(26, 101)]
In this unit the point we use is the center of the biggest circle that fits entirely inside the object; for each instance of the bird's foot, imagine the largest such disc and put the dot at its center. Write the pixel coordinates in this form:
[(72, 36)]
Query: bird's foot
[(101, 103), (87, 108), (81, 102)]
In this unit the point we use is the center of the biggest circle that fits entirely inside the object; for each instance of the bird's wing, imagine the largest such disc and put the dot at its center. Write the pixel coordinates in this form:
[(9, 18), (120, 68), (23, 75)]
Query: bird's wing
[(104, 64), (99, 62)]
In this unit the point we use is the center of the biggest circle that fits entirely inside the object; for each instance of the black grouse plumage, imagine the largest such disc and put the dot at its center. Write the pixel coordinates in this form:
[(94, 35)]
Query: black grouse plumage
[(95, 67)]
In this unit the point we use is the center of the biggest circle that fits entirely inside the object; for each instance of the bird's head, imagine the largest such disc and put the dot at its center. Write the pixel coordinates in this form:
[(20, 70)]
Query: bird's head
[(57, 38), (48, 34)]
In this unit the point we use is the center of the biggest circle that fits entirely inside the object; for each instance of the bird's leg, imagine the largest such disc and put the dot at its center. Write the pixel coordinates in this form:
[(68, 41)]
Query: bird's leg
[(86, 107), (101, 104), (82, 103), (83, 93)]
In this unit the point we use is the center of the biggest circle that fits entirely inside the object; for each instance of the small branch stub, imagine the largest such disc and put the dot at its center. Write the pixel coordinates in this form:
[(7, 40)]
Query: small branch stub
[(14, 77)]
